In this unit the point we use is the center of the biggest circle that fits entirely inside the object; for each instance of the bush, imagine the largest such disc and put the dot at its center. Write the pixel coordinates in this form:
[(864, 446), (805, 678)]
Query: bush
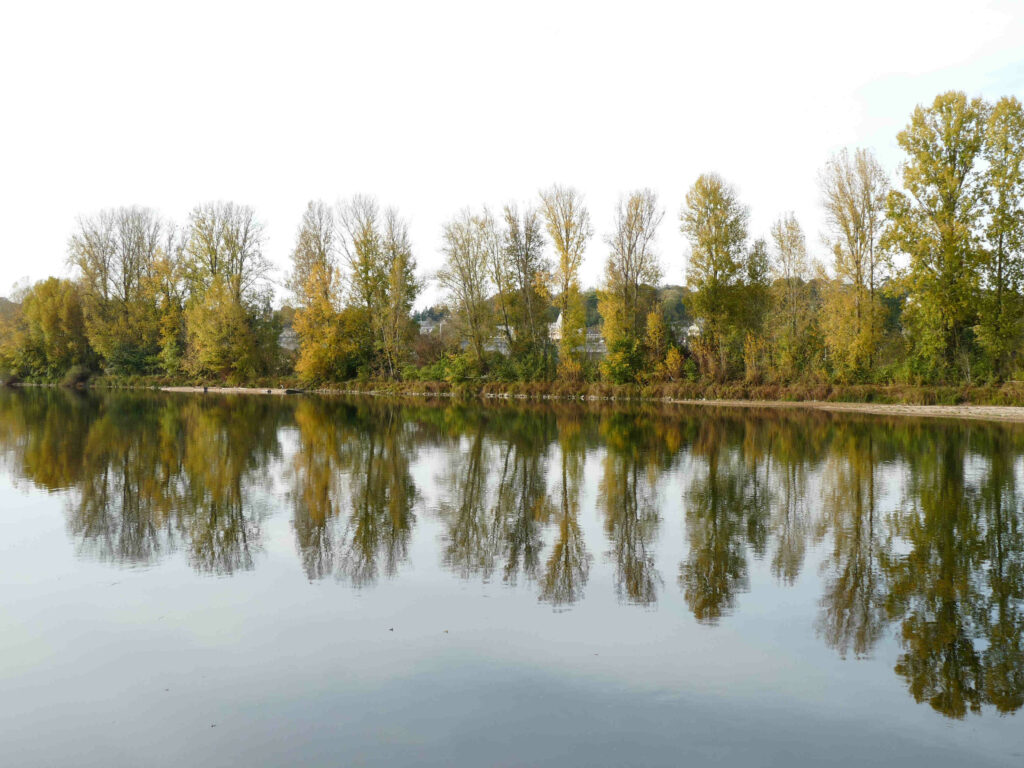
[(76, 376), (624, 361)]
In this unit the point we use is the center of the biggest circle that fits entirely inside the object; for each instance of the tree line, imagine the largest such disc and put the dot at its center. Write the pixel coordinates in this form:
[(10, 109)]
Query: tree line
[(922, 283)]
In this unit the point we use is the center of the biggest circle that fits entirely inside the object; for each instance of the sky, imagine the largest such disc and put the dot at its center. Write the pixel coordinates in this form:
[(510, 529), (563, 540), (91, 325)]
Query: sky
[(436, 106)]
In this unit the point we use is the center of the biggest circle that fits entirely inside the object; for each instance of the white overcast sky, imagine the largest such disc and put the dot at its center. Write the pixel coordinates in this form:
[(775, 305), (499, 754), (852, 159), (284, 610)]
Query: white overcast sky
[(433, 106)]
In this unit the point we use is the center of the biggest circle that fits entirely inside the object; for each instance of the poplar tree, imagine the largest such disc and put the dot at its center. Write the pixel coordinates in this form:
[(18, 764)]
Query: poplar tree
[(468, 243), (935, 222), (792, 306), (720, 268), (632, 266), (314, 281), (528, 276), (568, 225), (381, 282), (1001, 312), (631, 275), (853, 194), (402, 287)]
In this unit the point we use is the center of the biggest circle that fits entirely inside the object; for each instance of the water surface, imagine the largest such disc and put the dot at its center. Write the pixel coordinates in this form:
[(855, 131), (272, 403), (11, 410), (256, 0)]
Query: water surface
[(218, 581)]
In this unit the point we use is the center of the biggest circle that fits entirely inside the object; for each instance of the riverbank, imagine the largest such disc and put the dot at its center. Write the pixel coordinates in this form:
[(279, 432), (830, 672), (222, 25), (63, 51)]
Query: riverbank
[(1009, 413), (233, 390), (935, 409), (991, 403)]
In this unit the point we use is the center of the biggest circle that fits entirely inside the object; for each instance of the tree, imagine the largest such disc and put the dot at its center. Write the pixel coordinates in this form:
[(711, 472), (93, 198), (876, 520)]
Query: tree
[(632, 265), (656, 342), (793, 309), (468, 242), (720, 269), (362, 252), (631, 272), (230, 330), (1001, 311), (115, 254), (935, 222), (523, 251), (315, 250), (225, 242), (49, 335), (853, 194), (380, 273), (402, 288), (228, 340), (169, 292), (315, 282), (568, 225)]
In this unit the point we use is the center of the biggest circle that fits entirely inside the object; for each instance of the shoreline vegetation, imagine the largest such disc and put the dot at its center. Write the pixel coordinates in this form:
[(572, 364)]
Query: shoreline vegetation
[(917, 299)]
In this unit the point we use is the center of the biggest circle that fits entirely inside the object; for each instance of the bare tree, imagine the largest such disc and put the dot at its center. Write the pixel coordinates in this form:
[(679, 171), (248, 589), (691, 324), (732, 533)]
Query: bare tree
[(225, 242), (115, 250)]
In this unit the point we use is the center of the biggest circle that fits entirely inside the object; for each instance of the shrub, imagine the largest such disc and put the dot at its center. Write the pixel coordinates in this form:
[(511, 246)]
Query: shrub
[(76, 376)]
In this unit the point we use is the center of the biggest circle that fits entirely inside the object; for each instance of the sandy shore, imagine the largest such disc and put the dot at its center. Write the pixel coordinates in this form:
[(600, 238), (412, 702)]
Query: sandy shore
[(982, 412), (228, 390)]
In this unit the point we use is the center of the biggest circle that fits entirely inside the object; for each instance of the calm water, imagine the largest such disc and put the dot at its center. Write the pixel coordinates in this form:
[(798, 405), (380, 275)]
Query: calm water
[(189, 580)]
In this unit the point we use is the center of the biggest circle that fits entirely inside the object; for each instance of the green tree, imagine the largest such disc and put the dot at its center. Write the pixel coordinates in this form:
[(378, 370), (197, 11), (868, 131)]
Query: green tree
[(230, 329), (228, 340), (225, 243), (49, 332), (114, 254), (381, 281), (935, 222), (728, 281), (632, 265), (1001, 309), (854, 191), (396, 326), (793, 308)]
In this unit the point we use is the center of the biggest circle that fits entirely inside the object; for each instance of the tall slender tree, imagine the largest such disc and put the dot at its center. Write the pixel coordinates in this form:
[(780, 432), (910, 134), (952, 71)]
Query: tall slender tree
[(567, 221), (400, 293), (720, 266), (1001, 312), (529, 272), (935, 222), (792, 304), (468, 243), (853, 193), (632, 266)]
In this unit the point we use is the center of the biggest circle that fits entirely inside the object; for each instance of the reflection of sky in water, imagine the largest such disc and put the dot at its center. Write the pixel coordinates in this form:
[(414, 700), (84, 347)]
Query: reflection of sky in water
[(130, 665)]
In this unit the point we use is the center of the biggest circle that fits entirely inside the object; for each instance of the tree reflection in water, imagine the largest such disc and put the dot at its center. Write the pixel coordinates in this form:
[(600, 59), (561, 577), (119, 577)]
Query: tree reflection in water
[(916, 527)]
